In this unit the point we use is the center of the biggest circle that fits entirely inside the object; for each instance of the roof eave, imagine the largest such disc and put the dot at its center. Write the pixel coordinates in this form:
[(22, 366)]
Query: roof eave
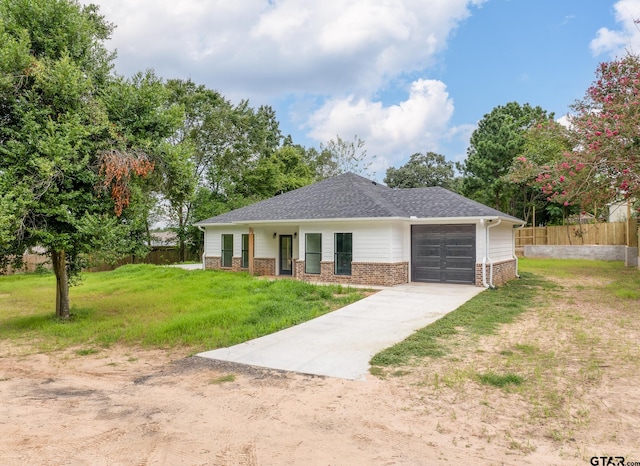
[(297, 220), (475, 218), (363, 219)]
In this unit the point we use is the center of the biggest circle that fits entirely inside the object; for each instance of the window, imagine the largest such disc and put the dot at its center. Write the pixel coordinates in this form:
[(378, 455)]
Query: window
[(245, 252), (313, 252), (227, 250), (343, 244)]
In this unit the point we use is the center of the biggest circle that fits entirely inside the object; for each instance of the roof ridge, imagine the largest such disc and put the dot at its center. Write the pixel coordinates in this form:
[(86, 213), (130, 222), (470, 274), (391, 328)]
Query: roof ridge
[(377, 193)]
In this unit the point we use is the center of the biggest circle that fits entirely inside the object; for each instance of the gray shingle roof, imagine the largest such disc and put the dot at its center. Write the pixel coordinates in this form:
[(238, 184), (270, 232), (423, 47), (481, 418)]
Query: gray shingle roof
[(352, 196)]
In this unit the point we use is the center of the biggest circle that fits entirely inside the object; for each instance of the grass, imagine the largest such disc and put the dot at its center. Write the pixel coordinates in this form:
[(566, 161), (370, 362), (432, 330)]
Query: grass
[(548, 342), (160, 307), (481, 315), (223, 379), (87, 351), (498, 380), (485, 313)]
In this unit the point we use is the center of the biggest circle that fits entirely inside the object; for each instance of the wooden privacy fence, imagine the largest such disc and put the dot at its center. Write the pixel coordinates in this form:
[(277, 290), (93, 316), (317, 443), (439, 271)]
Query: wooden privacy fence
[(159, 255), (30, 263), (618, 233)]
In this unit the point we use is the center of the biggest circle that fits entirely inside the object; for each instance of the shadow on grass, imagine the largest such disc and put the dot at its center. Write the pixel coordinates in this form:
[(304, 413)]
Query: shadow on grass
[(20, 324)]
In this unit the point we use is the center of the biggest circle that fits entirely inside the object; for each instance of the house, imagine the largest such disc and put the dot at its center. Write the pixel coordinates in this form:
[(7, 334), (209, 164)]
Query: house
[(619, 211), (351, 230)]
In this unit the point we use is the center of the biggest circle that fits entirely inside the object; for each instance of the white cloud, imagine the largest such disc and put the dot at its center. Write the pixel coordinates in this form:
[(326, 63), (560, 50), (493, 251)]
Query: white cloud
[(417, 124), (284, 46), (327, 59), (627, 38), (565, 120)]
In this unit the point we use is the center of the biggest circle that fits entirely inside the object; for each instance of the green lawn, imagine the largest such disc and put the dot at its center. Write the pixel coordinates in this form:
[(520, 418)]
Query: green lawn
[(160, 307)]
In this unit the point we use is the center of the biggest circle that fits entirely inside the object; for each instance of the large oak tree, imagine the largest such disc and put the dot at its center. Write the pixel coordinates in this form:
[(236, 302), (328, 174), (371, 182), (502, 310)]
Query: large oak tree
[(69, 150), (421, 171)]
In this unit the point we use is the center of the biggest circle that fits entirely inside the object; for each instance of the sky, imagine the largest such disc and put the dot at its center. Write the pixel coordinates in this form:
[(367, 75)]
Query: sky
[(405, 76)]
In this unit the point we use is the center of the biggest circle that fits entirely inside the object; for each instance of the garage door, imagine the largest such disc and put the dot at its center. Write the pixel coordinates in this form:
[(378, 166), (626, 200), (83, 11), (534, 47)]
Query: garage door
[(443, 253)]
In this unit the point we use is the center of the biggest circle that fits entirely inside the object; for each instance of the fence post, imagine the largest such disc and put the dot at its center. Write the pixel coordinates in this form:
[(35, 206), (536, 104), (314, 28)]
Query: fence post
[(631, 251), (533, 224)]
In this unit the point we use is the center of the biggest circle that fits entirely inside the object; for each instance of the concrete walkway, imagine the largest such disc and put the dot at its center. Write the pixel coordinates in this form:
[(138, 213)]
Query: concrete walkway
[(187, 266), (341, 343)]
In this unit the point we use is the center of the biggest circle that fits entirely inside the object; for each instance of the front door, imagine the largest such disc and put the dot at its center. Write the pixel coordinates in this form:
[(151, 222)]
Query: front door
[(286, 254)]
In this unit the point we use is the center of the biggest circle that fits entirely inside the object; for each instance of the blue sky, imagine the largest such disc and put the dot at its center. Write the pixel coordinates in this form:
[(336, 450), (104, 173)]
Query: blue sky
[(404, 75)]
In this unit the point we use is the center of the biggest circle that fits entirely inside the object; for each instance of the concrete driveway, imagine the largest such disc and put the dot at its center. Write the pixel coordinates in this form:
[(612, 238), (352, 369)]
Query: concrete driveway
[(341, 343), (187, 266)]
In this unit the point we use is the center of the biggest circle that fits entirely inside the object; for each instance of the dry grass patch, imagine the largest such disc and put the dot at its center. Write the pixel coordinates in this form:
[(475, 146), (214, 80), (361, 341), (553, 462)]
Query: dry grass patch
[(564, 376)]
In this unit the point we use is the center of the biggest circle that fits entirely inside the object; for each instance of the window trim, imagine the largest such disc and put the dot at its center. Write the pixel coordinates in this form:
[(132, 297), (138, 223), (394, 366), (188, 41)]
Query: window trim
[(314, 254), (228, 251), (337, 254)]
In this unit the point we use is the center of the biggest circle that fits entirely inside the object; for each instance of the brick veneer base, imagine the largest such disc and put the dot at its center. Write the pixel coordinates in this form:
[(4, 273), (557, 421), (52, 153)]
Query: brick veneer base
[(362, 273), (264, 266), (212, 263), (260, 266), (502, 272)]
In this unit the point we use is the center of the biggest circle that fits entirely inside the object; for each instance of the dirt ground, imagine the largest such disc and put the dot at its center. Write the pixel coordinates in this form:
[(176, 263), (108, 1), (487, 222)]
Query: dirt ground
[(124, 406)]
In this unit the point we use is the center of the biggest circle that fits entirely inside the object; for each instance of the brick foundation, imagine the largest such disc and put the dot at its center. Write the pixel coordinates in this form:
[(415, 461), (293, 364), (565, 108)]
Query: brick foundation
[(502, 272), (362, 273), (264, 266), (214, 263), (236, 264)]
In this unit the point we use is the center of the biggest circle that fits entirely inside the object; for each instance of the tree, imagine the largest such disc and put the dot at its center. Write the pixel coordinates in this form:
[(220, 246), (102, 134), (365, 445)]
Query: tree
[(184, 165), (228, 143), (340, 156), (282, 171), (422, 170), (69, 163), (221, 157), (545, 143), (498, 139), (604, 161)]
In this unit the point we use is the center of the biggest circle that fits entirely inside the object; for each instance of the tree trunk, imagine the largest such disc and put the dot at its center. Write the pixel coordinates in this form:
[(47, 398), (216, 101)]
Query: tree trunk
[(59, 260), (181, 245)]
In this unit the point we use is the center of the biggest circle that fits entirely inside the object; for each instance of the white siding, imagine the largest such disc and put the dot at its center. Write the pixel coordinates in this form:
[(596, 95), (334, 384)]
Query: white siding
[(480, 244), (372, 241), (386, 242), (500, 242), (266, 246), (400, 242), (213, 240)]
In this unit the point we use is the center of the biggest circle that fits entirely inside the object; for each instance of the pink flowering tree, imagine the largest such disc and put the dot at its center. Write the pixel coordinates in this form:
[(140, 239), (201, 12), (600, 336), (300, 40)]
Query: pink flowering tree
[(545, 143), (603, 163)]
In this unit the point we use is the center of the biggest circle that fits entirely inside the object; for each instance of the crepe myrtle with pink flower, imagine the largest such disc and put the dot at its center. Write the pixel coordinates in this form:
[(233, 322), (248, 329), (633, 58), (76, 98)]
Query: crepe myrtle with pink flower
[(602, 162)]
